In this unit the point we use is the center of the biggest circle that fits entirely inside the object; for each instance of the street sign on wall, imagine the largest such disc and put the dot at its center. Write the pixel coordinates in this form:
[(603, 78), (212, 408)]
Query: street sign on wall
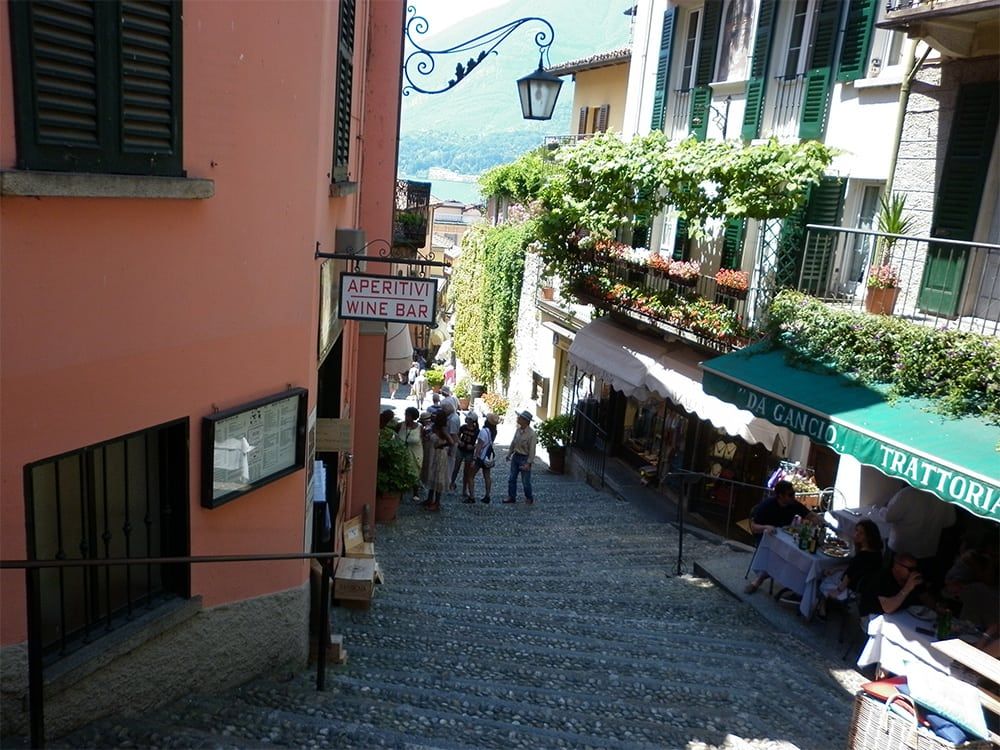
[(401, 299)]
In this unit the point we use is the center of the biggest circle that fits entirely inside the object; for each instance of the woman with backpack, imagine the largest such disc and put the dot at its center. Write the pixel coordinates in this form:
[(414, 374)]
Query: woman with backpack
[(484, 458)]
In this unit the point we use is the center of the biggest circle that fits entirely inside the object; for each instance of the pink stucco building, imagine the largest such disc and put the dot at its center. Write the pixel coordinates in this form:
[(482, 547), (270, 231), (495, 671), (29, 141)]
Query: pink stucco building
[(168, 173)]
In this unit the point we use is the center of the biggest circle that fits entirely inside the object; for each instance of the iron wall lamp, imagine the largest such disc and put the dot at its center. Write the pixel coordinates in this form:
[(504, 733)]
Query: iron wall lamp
[(538, 91)]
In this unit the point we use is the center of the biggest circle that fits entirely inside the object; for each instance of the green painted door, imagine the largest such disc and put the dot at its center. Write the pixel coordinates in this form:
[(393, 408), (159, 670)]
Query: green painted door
[(958, 198)]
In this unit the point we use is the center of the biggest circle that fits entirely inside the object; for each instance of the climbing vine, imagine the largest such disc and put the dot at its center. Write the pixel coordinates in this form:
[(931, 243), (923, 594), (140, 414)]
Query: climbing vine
[(487, 290)]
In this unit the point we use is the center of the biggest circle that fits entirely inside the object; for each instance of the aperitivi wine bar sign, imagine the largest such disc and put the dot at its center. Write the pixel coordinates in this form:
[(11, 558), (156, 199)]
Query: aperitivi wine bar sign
[(400, 299)]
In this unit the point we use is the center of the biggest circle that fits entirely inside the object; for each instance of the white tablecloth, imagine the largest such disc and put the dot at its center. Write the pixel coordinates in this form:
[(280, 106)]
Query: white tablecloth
[(893, 641), (779, 556)]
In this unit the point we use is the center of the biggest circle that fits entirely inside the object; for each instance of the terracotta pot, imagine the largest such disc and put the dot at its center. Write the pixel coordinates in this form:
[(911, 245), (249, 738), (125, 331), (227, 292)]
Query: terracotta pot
[(548, 293), (386, 507), (881, 301), (557, 460)]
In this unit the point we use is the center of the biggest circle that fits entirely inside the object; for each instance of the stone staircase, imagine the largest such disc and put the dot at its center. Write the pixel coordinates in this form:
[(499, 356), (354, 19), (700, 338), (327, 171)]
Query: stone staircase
[(556, 625)]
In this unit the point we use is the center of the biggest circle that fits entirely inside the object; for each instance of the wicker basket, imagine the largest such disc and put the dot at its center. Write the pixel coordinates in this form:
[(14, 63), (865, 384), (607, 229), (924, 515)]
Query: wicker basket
[(875, 727)]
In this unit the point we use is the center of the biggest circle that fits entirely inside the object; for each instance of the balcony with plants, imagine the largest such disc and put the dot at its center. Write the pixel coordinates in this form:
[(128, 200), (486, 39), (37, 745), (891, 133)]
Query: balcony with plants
[(932, 282), (583, 197), (410, 218)]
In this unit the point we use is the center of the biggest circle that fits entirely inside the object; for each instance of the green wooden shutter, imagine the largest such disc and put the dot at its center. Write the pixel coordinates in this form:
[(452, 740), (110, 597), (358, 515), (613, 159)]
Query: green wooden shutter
[(344, 97), (757, 82), (150, 63), (709, 42), (819, 77), (861, 15), (825, 203), (681, 240), (796, 253), (663, 69), (97, 86), (959, 195), (701, 102), (732, 243), (701, 94)]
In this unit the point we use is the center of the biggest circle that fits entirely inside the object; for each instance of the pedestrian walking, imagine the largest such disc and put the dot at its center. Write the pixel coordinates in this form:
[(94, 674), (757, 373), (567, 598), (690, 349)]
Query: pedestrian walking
[(440, 442), (447, 397), (453, 427), (521, 456), (420, 388), (409, 432), (392, 381), (484, 457), (411, 374), (465, 452)]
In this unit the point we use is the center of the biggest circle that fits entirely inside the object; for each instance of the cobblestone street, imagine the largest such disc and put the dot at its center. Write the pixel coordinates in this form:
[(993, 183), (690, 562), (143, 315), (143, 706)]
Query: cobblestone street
[(553, 625)]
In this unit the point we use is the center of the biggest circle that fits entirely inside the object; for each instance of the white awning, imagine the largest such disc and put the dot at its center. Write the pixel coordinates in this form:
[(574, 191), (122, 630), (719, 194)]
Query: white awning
[(398, 348), (644, 368)]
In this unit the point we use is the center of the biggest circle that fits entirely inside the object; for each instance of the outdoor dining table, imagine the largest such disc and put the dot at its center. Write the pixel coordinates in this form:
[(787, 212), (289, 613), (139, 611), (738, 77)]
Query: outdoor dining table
[(779, 556), (894, 641)]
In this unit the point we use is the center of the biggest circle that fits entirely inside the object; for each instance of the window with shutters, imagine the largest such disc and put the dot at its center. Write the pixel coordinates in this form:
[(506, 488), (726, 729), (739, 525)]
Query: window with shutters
[(583, 121), (797, 30), (734, 41), (886, 55), (680, 104), (97, 86), (343, 98), (601, 118)]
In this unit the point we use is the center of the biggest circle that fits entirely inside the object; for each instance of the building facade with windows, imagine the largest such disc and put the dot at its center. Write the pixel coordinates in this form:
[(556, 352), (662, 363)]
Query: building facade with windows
[(170, 339), (906, 95)]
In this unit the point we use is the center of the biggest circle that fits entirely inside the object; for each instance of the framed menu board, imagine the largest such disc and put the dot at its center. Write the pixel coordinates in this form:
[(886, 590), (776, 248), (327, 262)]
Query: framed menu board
[(251, 445)]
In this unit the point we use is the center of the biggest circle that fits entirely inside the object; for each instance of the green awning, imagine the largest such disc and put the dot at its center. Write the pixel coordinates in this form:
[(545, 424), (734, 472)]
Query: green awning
[(955, 459)]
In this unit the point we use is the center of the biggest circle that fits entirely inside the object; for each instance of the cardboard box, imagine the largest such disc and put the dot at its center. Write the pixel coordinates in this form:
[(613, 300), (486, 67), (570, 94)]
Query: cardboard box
[(354, 540), (355, 578)]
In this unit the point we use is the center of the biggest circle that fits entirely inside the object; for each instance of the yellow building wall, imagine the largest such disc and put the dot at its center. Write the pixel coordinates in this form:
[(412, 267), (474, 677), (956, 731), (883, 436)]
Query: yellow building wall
[(595, 88)]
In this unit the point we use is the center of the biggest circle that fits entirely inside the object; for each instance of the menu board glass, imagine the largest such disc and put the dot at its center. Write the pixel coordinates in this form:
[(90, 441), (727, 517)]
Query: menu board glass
[(251, 445)]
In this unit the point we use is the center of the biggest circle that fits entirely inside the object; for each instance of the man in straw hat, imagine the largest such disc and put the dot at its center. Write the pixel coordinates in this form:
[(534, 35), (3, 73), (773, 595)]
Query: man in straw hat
[(521, 456)]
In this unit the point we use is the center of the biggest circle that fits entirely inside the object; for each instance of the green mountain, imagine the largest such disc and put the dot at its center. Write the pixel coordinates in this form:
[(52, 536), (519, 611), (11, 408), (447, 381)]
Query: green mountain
[(478, 124)]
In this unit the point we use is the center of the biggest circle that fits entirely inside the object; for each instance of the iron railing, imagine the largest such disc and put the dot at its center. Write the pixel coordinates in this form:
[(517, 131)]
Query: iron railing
[(32, 569), (680, 118), (591, 440), (787, 108), (555, 141), (938, 282)]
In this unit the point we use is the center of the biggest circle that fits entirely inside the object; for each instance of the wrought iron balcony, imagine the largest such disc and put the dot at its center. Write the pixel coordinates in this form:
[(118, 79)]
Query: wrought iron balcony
[(936, 282), (409, 225), (691, 306), (553, 142)]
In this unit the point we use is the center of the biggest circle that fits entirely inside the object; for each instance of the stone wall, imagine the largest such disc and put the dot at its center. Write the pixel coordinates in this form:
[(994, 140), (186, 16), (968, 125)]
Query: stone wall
[(924, 140), (208, 652)]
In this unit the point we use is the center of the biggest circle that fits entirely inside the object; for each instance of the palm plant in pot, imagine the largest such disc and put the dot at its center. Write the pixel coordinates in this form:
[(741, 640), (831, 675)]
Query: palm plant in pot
[(883, 277), (395, 474), (463, 388), (554, 435)]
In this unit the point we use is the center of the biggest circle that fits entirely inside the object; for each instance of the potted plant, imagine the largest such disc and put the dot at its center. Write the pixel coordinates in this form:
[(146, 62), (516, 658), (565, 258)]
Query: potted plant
[(883, 278), (395, 474), (463, 390), (732, 282), (684, 272), (554, 435), (496, 403), (435, 379)]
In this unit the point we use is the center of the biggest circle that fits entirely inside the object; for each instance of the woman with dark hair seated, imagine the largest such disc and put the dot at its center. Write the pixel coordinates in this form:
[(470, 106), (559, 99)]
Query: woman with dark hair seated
[(866, 562)]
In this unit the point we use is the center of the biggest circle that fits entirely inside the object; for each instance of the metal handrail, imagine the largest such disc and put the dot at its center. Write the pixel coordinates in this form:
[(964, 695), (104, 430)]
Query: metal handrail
[(36, 708)]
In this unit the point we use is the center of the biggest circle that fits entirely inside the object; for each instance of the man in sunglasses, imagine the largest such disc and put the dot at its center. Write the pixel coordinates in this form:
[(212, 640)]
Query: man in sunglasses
[(897, 587)]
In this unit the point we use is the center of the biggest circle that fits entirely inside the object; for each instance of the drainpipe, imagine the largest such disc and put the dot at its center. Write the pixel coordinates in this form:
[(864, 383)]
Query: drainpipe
[(912, 65)]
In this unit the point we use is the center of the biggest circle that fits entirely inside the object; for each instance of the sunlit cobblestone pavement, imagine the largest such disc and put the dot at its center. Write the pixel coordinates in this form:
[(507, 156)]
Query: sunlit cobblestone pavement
[(557, 625)]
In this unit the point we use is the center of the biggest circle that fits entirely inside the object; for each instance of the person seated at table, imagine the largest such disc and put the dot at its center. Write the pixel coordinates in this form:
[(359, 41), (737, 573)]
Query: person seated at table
[(971, 582), (866, 562), (775, 512), (897, 587)]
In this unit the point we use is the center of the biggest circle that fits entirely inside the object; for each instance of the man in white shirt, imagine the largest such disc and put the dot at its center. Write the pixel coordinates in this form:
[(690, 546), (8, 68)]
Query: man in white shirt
[(521, 456), (916, 519)]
